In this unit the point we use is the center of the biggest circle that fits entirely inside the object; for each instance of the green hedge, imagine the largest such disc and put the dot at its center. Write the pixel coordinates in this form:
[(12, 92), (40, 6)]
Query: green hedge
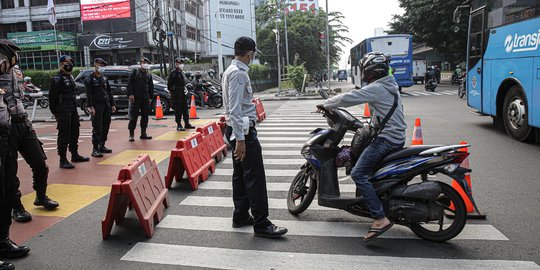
[(42, 78)]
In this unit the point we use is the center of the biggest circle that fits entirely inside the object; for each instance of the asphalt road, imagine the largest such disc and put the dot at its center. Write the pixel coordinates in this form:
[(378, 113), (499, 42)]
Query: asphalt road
[(505, 185)]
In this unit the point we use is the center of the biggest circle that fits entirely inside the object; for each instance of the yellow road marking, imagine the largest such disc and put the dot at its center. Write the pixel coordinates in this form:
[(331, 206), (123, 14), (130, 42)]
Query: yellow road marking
[(71, 198), (127, 156)]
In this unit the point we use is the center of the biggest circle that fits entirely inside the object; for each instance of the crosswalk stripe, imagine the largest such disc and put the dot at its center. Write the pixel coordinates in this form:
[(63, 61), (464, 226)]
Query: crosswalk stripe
[(280, 153), (271, 172), (436, 94), (277, 161), (308, 129), (283, 139), (413, 94), (221, 185), (224, 258), (294, 133), (282, 145), (227, 202), (299, 121), (293, 124), (323, 228), (422, 93), (450, 93)]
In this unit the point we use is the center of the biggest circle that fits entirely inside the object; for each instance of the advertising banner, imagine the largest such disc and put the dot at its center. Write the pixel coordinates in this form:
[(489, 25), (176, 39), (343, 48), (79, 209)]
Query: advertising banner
[(302, 5), (44, 40), (114, 41), (93, 10), (237, 18)]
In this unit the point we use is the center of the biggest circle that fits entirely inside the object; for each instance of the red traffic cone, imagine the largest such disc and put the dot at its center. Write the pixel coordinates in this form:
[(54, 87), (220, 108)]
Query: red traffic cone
[(193, 109), (417, 133)]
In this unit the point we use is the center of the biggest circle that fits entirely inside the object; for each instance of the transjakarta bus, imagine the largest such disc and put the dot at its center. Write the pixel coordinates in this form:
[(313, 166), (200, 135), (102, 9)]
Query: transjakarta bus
[(398, 47), (503, 63)]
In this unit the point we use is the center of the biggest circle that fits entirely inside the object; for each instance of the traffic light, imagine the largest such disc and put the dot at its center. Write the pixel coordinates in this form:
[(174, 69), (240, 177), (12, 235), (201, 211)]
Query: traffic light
[(322, 41)]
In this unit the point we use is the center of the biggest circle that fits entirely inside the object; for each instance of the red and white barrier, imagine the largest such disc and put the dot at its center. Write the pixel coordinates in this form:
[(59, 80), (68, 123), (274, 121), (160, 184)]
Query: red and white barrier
[(214, 138)]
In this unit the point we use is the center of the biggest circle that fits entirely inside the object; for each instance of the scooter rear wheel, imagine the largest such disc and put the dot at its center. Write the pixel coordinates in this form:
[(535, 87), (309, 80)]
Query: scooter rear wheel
[(452, 202), (302, 190)]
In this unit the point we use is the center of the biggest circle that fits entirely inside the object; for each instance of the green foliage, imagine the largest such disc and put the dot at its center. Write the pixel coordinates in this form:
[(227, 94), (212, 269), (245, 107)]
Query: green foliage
[(296, 76), (430, 21), (41, 78), (303, 34), (258, 72)]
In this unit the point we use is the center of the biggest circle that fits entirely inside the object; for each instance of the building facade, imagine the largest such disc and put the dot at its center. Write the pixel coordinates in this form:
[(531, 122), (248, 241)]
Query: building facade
[(119, 34)]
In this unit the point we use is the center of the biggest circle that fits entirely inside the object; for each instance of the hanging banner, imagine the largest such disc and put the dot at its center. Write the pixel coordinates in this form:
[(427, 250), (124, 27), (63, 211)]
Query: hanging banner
[(44, 40), (93, 10)]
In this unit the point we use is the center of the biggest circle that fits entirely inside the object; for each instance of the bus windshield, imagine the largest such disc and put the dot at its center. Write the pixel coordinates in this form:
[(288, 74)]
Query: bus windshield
[(393, 46)]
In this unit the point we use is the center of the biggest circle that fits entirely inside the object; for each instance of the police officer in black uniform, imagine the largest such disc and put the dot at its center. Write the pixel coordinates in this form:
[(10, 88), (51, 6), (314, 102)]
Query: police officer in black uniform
[(140, 90), (62, 103), (24, 140), (101, 105), (9, 183), (176, 84)]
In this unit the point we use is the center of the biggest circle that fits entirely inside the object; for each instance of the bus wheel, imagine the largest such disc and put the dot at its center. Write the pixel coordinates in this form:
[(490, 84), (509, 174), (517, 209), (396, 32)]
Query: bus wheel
[(515, 114)]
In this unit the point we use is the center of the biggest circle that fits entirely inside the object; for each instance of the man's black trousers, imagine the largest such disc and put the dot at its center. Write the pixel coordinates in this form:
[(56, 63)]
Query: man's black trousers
[(9, 183), (24, 140), (249, 182), (180, 107), (101, 122), (68, 126), (141, 107)]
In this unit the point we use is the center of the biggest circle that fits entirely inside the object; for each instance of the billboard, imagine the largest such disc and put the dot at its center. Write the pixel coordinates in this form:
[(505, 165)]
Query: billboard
[(236, 19), (44, 40), (303, 5), (93, 10), (114, 41)]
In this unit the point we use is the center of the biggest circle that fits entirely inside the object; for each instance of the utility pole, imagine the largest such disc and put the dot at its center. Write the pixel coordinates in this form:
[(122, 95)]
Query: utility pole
[(220, 50), (286, 9), (170, 43), (159, 37), (327, 47)]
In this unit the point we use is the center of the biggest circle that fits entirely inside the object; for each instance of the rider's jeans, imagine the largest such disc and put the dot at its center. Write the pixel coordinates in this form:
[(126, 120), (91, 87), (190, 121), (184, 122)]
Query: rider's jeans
[(369, 159)]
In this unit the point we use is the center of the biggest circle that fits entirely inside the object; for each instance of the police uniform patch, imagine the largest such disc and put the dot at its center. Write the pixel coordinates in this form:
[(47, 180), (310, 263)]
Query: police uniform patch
[(242, 78)]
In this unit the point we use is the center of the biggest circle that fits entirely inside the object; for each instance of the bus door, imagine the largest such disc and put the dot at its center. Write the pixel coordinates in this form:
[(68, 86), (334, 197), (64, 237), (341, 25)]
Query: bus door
[(475, 59)]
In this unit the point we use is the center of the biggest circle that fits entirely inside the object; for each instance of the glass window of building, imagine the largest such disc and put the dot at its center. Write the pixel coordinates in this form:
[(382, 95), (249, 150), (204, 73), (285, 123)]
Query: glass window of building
[(178, 29), (191, 33), (192, 7), (6, 4), (34, 3), (6, 28), (177, 4)]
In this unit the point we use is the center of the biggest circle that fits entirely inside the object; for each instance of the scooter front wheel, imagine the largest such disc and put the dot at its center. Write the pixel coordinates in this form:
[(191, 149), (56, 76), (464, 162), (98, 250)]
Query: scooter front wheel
[(302, 190)]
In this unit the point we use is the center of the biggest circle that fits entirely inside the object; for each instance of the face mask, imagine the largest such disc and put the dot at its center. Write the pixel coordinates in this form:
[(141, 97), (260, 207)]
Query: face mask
[(145, 66), (100, 69), (181, 66), (251, 59), (68, 67)]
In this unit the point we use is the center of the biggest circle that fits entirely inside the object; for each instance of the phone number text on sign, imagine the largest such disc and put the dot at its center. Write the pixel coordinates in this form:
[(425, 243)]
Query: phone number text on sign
[(104, 9), (303, 5)]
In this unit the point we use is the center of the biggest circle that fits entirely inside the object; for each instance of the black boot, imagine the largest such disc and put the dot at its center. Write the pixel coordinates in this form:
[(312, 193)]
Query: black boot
[(96, 152), (131, 135), (46, 202), (8, 249), (145, 136), (75, 157), (189, 126), (6, 266), (20, 214), (64, 163), (104, 150)]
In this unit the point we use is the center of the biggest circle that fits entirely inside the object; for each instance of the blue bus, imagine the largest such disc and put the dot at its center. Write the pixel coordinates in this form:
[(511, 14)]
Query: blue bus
[(398, 47), (503, 63)]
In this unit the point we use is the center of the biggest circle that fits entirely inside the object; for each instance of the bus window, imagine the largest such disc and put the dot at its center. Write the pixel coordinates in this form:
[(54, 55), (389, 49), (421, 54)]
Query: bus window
[(391, 46), (503, 12), (475, 38)]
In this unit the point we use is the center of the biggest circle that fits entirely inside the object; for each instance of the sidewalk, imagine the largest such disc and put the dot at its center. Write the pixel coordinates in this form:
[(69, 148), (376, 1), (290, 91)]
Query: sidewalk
[(309, 94)]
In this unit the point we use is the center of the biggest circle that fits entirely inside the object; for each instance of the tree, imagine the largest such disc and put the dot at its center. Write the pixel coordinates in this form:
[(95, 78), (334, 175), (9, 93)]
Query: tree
[(430, 21), (304, 30)]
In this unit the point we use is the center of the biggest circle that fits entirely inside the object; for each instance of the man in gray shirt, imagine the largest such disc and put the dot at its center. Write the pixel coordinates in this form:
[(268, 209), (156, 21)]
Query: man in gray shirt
[(249, 180)]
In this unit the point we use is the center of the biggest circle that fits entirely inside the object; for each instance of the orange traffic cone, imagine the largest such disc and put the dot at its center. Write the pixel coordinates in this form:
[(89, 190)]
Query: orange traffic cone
[(367, 113), (417, 133), (193, 109), (470, 205), (159, 110)]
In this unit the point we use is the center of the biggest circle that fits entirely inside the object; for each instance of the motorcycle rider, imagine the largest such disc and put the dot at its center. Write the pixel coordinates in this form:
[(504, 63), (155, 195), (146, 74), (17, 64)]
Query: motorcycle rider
[(63, 105), (23, 139), (101, 105), (457, 73), (437, 73), (198, 87), (379, 91), (140, 91), (176, 84), (9, 182)]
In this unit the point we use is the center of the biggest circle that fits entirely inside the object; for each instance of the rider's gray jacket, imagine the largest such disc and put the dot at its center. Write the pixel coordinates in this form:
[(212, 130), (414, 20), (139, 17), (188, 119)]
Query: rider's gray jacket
[(380, 97)]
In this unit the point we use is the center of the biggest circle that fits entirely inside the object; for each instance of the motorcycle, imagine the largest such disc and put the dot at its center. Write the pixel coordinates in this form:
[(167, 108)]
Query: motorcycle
[(462, 90), (420, 205), (212, 96), (431, 85), (31, 93)]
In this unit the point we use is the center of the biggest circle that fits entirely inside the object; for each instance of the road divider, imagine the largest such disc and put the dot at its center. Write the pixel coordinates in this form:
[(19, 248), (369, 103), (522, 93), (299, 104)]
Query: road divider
[(138, 185), (211, 133), (261, 114)]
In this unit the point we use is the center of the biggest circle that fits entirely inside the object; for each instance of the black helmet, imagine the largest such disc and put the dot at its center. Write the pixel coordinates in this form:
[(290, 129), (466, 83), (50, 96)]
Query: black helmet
[(374, 65), (9, 50), (198, 75)]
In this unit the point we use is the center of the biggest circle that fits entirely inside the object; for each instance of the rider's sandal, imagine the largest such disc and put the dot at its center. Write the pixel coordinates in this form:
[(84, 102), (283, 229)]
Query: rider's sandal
[(377, 232)]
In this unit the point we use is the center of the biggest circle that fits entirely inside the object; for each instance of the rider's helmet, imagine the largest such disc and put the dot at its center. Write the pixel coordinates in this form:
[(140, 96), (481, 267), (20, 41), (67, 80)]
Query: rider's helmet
[(8, 55), (198, 75), (374, 65), (27, 79)]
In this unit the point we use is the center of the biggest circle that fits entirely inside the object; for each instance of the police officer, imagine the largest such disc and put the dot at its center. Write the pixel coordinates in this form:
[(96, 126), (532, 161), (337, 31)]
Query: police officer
[(9, 182), (249, 180), (176, 84), (198, 88), (101, 105), (140, 90), (62, 103), (23, 139)]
